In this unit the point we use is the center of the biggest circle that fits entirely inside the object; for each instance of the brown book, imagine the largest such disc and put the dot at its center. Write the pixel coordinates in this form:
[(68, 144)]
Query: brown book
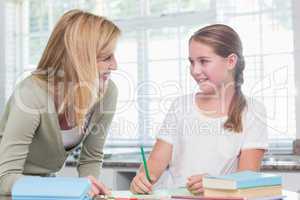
[(246, 193)]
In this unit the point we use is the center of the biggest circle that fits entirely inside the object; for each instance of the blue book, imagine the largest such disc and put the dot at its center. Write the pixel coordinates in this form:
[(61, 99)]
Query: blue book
[(241, 180), (50, 188)]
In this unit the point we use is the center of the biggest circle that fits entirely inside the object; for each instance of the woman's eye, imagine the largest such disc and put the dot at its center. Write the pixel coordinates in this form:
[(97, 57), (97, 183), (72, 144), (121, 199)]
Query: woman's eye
[(108, 58), (104, 59)]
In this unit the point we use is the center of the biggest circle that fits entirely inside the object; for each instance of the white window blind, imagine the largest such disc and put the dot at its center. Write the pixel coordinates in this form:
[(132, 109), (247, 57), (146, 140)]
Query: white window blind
[(152, 55), (2, 56), (10, 60)]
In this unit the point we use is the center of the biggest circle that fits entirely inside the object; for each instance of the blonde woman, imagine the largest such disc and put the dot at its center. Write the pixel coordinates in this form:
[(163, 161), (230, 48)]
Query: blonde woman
[(67, 101)]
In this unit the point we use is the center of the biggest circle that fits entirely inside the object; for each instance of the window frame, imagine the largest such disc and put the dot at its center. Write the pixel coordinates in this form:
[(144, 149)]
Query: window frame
[(148, 22)]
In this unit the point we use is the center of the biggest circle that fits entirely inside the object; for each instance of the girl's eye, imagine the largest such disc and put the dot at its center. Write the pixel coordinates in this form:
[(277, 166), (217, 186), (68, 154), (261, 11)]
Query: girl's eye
[(204, 61), (191, 62)]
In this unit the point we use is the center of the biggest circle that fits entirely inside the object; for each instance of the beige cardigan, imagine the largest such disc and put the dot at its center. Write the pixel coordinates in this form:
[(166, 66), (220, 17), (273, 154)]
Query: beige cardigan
[(31, 140)]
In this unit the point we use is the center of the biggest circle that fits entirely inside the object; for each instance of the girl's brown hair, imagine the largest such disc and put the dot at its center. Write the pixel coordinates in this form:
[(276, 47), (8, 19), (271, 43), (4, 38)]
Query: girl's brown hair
[(70, 59), (225, 41)]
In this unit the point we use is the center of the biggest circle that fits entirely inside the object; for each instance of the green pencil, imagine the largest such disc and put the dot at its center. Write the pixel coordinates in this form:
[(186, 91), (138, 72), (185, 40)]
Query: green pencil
[(145, 164)]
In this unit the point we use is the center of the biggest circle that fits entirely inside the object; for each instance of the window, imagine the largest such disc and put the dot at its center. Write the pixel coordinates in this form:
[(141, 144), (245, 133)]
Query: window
[(152, 55)]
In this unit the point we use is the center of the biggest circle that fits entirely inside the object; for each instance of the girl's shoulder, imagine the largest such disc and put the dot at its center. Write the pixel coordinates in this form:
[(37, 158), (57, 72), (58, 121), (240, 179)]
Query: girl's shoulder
[(254, 104), (254, 111), (183, 104)]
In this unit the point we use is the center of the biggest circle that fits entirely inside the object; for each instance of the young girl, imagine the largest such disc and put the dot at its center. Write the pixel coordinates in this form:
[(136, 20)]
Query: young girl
[(215, 131), (67, 101)]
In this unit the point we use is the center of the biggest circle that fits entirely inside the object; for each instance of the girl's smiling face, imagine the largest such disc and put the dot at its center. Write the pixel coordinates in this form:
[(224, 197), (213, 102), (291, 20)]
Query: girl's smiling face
[(210, 71)]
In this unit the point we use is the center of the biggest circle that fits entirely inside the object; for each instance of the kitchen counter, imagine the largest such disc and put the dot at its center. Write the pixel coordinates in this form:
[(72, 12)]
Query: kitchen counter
[(131, 158)]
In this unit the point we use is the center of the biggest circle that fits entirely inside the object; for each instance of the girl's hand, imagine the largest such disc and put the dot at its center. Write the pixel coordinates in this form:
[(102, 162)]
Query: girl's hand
[(98, 188), (141, 185), (194, 184)]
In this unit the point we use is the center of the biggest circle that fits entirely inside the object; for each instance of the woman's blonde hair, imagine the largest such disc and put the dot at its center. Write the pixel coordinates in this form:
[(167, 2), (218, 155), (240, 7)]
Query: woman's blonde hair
[(70, 60), (225, 41)]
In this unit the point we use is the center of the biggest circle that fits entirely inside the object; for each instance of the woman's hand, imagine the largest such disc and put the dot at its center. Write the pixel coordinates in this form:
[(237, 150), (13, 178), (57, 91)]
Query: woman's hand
[(141, 185), (194, 184), (98, 188)]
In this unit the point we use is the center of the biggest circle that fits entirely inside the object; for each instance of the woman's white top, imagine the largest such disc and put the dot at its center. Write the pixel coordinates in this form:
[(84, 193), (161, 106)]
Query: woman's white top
[(72, 137), (201, 144)]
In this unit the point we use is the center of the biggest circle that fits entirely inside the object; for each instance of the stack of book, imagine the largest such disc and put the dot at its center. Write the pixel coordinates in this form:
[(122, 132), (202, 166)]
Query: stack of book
[(245, 184), (51, 188)]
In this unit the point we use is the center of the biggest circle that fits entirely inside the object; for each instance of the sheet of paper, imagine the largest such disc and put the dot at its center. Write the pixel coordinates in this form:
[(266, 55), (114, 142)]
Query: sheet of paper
[(157, 194)]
